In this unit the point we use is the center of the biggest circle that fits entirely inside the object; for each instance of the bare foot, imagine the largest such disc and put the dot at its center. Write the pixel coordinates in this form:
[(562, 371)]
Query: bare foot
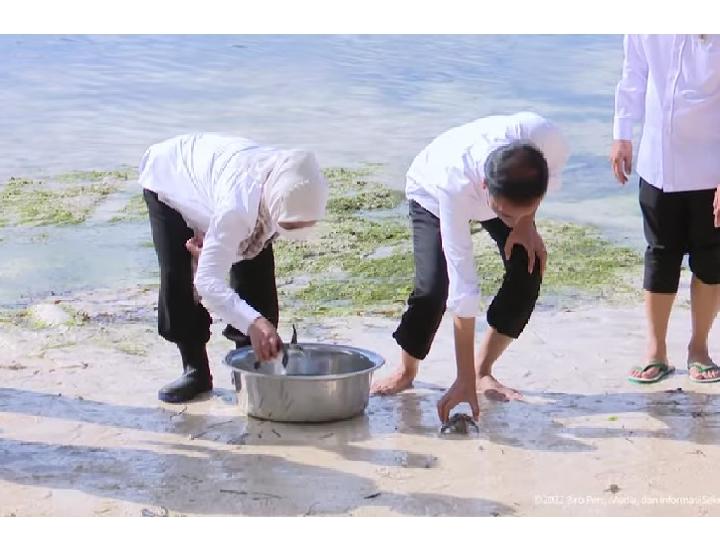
[(495, 391), (393, 384)]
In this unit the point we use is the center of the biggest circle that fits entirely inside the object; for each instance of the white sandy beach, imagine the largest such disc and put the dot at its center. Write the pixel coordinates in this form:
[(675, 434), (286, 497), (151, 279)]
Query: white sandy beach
[(82, 433)]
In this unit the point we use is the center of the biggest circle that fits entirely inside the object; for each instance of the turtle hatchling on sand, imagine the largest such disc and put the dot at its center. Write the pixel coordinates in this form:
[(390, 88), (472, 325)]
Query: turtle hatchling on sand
[(459, 424)]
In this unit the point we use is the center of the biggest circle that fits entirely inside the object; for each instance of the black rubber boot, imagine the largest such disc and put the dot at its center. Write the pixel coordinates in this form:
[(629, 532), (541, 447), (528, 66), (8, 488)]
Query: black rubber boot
[(195, 379)]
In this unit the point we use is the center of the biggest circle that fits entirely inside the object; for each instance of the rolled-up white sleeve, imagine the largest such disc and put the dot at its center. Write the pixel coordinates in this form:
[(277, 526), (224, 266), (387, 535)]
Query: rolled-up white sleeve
[(630, 91), (463, 295), (227, 229)]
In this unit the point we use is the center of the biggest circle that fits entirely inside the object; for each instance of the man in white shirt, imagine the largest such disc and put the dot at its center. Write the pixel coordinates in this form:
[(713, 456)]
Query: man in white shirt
[(495, 170), (223, 200), (671, 84)]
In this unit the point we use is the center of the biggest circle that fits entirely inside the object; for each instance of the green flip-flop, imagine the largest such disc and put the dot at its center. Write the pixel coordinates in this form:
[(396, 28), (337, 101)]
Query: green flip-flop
[(703, 368), (663, 371)]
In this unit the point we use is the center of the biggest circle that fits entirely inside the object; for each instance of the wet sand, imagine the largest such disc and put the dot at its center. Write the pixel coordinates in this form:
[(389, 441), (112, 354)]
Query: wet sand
[(82, 433)]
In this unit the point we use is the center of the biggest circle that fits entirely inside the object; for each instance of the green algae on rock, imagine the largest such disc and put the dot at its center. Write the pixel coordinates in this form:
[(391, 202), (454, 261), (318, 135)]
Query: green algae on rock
[(63, 200), (134, 210), (362, 264)]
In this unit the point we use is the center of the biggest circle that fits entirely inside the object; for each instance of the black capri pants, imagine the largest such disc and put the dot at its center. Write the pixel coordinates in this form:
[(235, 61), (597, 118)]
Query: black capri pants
[(180, 318), (676, 224), (509, 311)]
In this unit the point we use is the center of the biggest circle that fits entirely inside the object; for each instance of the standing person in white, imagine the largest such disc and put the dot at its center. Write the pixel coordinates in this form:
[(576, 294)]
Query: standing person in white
[(671, 86), (496, 171), (218, 202)]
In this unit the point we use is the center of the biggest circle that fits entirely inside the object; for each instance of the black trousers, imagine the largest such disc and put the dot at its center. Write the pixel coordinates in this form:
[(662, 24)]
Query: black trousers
[(676, 224), (509, 311), (180, 319)]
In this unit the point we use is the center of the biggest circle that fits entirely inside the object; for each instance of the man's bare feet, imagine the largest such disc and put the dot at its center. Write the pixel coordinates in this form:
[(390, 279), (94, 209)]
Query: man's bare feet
[(393, 384), (493, 390), (400, 380)]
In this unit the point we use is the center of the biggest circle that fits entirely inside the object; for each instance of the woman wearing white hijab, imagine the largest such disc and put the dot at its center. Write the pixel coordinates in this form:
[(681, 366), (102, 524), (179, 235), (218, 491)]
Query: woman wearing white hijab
[(216, 203)]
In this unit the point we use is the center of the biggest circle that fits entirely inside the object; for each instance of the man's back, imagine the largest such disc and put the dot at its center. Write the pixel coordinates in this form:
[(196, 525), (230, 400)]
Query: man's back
[(194, 172), (448, 148)]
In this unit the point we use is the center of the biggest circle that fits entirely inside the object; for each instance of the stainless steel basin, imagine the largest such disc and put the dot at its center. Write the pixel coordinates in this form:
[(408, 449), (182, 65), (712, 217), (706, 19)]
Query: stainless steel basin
[(322, 383)]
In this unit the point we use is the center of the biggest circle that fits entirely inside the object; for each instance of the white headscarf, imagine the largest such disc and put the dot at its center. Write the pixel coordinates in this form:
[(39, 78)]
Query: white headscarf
[(295, 189), (548, 138)]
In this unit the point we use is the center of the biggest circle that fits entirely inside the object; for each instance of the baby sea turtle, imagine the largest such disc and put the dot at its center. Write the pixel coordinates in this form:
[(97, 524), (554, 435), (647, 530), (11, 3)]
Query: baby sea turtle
[(459, 424)]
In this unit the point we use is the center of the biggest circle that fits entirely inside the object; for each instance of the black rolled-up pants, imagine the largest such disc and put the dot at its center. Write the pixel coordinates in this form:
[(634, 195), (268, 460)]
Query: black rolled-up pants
[(675, 224), (180, 318), (509, 311)]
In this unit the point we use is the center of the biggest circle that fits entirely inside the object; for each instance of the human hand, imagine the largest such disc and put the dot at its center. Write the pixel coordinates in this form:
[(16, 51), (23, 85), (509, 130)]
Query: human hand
[(461, 391), (621, 159), (264, 339), (194, 245), (525, 234)]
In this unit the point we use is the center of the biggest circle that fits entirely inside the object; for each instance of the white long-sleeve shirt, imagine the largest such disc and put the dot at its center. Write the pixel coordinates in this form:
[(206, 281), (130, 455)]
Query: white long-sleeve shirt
[(446, 179), (215, 183), (671, 83)]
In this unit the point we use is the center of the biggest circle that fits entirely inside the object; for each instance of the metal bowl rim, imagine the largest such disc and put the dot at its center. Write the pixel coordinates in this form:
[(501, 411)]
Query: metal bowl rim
[(377, 360)]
